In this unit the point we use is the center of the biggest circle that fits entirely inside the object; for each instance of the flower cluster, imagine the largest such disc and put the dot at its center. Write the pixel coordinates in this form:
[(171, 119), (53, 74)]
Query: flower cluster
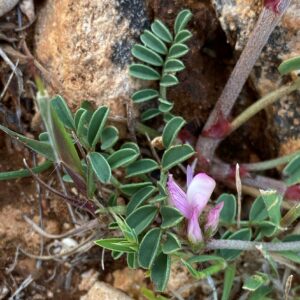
[(192, 203)]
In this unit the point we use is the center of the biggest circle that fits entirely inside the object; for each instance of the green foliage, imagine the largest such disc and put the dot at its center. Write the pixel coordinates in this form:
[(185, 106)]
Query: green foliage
[(172, 244), (217, 264), (289, 65), (228, 213), (100, 166), (170, 217), (292, 171), (149, 232), (160, 55), (228, 281), (255, 282), (160, 271), (176, 155), (149, 247), (171, 130)]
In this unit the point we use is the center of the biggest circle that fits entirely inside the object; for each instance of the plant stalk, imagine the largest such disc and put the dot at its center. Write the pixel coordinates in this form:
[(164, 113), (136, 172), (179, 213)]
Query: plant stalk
[(267, 21), (270, 164), (262, 104), (249, 245)]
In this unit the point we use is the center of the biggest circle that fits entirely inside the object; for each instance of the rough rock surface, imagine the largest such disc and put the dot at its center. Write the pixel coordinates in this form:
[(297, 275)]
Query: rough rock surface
[(85, 45), (238, 19), (104, 291)]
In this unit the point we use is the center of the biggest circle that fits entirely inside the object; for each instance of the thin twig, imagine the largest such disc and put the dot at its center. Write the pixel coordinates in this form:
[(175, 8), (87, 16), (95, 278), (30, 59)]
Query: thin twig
[(249, 245), (23, 285), (70, 210), (71, 200), (89, 242), (40, 208), (9, 80), (14, 264), (87, 226)]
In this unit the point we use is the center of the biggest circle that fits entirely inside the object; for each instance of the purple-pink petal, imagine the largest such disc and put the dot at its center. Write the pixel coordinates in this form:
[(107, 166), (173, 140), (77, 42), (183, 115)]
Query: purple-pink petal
[(194, 230), (200, 190), (178, 197), (213, 217)]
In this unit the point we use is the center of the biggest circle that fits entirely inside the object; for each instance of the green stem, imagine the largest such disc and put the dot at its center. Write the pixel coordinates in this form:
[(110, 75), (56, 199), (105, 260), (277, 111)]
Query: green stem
[(263, 103), (24, 172), (144, 129), (115, 182), (269, 164)]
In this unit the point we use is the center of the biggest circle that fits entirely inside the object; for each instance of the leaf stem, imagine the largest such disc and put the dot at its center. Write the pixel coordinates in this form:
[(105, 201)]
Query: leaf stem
[(263, 103), (24, 172), (143, 129), (250, 245), (269, 164)]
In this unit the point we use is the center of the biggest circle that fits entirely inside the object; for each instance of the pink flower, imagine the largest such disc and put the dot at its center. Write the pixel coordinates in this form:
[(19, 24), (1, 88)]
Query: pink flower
[(213, 218), (192, 203)]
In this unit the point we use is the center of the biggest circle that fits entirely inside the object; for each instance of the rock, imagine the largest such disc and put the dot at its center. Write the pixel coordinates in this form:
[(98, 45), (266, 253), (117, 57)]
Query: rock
[(85, 46), (237, 19), (129, 281), (104, 291), (6, 6), (179, 277), (88, 279)]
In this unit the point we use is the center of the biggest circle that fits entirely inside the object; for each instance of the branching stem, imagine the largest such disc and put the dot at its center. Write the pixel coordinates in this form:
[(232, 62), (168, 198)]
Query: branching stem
[(266, 23), (249, 245)]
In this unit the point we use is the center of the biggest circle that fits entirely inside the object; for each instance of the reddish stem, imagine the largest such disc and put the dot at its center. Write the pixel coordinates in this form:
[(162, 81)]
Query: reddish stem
[(213, 130)]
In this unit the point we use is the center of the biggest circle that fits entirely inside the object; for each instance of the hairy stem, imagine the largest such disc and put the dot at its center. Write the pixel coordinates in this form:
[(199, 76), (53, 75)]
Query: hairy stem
[(249, 245), (267, 21), (262, 104)]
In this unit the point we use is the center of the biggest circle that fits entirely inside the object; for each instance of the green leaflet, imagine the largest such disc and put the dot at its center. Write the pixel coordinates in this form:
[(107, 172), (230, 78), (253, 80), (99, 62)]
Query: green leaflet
[(141, 166), (162, 31), (153, 42), (144, 72), (228, 212), (147, 55), (141, 218), (144, 95), (175, 155), (181, 20), (289, 65), (63, 112), (42, 148), (160, 271), (171, 130), (100, 166), (96, 125), (149, 247)]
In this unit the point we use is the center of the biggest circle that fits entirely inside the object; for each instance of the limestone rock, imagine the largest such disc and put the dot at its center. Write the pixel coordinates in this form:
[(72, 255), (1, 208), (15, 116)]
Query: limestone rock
[(104, 291), (85, 47), (7, 5), (237, 19)]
